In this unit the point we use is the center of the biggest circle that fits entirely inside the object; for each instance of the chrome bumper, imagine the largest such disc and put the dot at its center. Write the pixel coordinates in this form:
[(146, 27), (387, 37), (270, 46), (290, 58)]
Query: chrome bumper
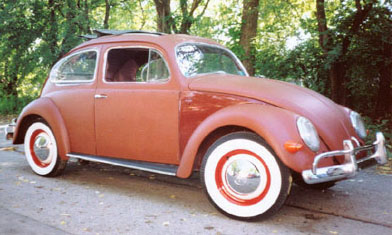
[(350, 167), (10, 129)]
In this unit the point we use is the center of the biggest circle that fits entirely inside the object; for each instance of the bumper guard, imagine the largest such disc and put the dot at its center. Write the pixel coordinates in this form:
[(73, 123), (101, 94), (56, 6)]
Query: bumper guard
[(350, 167), (10, 129)]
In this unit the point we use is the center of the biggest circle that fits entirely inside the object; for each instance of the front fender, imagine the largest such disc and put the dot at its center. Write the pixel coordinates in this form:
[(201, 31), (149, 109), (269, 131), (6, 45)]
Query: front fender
[(46, 109), (273, 124)]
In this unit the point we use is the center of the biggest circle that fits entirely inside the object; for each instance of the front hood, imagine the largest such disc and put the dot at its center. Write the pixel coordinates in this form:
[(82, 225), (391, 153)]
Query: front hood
[(331, 121)]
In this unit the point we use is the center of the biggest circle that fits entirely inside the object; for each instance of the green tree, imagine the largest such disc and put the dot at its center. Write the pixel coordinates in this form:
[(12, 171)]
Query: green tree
[(336, 48), (20, 27), (342, 48), (33, 35), (173, 22)]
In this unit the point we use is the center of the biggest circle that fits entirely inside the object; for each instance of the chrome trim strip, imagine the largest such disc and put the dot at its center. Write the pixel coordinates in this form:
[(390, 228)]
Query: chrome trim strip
[(350, 167), (126, 163)]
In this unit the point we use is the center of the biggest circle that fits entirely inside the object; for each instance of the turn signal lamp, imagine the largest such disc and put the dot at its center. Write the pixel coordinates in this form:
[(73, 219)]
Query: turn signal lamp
[(292, 146)]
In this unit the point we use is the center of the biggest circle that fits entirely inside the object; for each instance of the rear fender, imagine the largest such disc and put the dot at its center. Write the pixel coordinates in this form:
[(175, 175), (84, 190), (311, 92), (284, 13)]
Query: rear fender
[(46, 109)]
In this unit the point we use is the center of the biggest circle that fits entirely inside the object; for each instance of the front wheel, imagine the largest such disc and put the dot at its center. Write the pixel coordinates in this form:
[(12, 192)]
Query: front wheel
[(243, 178), (41, 150)]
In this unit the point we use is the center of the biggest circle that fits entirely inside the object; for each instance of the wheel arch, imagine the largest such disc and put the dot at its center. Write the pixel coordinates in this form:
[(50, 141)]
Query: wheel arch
[(43, 108), (273, 124), (211, 138)]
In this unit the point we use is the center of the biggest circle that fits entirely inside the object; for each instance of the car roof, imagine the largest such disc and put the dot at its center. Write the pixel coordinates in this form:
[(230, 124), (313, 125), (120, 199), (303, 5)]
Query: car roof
[(164, 40)]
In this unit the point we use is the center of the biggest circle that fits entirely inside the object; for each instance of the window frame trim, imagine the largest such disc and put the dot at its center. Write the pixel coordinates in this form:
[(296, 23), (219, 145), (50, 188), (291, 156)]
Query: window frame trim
[(71, 82), (164, 81)]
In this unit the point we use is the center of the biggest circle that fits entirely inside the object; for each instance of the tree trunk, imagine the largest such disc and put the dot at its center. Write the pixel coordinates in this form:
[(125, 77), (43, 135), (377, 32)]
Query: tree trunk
[(71, 30), (360, 16), (322, 26), (325, 43), (86, 12), (250, 15), (384, 99), (337, 81), (164, 20), (188, 17), (52, 37), (107, 15), (10, 89), (9, 81)]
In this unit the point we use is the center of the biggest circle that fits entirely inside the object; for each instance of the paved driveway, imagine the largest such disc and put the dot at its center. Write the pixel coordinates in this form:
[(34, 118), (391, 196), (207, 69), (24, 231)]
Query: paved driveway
[(102, 199)]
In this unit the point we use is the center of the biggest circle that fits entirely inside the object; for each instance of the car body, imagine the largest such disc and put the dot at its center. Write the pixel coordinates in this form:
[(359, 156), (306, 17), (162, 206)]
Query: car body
[(176, 104)]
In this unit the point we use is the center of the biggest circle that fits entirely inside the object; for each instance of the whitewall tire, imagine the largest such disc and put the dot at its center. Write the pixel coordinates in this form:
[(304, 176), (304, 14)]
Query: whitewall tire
[(41, 150), (243, 178)]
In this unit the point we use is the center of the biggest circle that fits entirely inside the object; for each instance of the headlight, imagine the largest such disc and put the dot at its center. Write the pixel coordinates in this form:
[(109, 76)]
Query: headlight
[(357, 122), (308, 133)]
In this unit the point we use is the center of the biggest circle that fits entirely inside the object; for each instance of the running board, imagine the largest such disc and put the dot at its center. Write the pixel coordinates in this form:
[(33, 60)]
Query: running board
[(138, 165)]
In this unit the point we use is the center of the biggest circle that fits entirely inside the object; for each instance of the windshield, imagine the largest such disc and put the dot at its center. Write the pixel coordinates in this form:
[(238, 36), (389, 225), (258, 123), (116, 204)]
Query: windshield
[(194, 59)]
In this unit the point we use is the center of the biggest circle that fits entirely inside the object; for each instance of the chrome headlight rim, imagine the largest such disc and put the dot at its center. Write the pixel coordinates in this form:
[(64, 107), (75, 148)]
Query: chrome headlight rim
[(358, 124), (308, 133)]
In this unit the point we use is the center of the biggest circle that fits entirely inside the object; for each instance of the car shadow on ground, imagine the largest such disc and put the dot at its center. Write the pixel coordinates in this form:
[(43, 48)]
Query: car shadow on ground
[(121, 180)]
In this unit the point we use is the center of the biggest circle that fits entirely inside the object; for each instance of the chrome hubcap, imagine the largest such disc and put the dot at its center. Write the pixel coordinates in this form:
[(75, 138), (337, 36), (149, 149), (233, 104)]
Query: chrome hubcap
[(42, 147), (242, 176)]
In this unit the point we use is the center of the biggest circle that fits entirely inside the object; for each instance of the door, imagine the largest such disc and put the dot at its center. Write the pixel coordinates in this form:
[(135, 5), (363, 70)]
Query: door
[(73, 79), (136, 108)]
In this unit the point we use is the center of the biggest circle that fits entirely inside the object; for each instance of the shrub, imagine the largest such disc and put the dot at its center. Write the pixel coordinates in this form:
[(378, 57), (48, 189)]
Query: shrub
[(13, 105), (385, 126)]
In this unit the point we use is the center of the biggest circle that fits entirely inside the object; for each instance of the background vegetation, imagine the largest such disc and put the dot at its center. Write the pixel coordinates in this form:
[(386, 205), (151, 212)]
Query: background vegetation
[(341, 48)]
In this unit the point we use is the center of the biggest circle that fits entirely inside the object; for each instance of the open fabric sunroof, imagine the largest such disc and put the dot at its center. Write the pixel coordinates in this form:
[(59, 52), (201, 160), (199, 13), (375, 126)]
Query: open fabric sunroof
[(105, 32)]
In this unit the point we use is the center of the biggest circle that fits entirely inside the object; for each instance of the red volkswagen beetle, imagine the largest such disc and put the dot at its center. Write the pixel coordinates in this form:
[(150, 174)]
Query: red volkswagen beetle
[(175, 104)]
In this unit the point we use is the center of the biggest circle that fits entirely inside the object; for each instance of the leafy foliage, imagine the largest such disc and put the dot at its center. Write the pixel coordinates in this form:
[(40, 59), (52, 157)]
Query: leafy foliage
[(35, 34), (13, 104), (376, 125)]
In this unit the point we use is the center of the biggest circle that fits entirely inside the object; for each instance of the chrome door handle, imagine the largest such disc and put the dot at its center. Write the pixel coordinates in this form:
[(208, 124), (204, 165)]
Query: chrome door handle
[(100, 96)]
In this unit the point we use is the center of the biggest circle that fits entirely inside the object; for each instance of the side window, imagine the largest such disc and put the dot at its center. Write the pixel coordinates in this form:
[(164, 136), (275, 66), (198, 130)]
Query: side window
[(135, 65), (156, 68), (75, 68)]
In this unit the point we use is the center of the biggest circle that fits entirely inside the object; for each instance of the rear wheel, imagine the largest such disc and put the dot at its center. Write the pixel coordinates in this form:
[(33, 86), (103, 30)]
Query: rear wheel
[(243, 178), (41, 150)]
